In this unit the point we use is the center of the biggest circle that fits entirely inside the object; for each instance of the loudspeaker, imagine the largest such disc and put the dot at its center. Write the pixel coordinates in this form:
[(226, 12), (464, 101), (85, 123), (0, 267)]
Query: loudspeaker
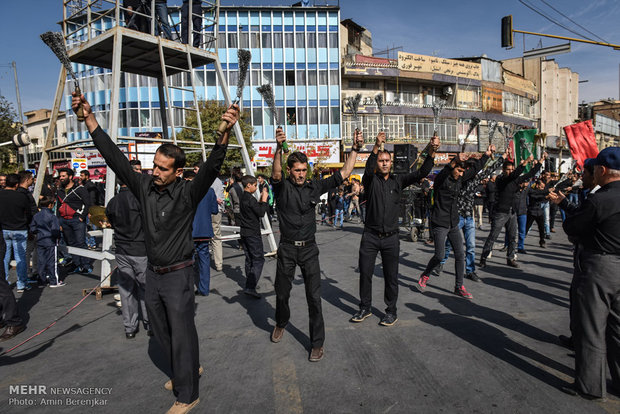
[(404, 156)]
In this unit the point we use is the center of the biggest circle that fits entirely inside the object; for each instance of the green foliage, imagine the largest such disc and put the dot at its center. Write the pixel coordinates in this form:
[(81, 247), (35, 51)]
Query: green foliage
[(211, 115), (8, 128)]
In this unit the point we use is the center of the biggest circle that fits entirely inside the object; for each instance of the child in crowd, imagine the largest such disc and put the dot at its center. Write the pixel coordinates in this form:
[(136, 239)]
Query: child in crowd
[(47, 228)]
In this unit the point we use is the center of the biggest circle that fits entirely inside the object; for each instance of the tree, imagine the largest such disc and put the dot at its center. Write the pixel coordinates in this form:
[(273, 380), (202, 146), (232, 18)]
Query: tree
[(211, 115), (8, 128)]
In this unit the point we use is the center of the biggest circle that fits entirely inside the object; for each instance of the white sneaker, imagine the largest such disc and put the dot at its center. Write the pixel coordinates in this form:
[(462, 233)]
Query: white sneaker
[(59, 284), (117, 297)]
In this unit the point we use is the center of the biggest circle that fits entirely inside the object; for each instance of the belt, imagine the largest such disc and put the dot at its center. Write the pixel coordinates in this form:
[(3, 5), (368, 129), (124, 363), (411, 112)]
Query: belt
[(382, 235), (298, 243), (166, 269)]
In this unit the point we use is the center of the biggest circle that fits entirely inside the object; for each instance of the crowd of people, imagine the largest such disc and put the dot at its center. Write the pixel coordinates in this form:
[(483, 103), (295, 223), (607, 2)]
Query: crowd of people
[(166, 224)]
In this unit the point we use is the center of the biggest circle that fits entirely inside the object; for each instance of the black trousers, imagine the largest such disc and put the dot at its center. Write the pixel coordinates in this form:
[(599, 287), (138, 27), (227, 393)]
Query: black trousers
[(254, 259), (8, 307), (196, 22), (307, 258), (48, 264), (491, 208), (170, 306), (553, 212), (507, 220), (596, 312), (389, 247), (540, 222)]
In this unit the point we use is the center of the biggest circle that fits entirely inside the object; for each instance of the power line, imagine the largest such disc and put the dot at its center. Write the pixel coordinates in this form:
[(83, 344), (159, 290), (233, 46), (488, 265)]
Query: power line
[(534, 9), (562, 14)]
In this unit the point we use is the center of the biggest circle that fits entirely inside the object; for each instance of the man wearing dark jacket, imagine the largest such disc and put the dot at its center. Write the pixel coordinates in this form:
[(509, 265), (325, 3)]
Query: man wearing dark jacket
[(535, 212), (73, 204), (15, 217), (445, 216), (25, 181), (383, 192), (123, 213), (505, 215)]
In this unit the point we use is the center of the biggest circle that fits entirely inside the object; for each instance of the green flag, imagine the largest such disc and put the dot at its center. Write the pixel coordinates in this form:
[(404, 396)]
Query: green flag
[(524, 145)]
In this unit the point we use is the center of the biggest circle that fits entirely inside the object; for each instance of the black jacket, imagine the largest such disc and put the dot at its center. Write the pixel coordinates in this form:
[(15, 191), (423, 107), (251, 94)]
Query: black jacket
[(251, 213), (535, 199), (123, 213), (508, 185), (76, 198), (15, 210), (47, 228)]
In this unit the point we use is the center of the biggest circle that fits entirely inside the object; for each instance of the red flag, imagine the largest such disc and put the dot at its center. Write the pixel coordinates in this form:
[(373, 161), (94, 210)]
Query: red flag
[(582, 141)]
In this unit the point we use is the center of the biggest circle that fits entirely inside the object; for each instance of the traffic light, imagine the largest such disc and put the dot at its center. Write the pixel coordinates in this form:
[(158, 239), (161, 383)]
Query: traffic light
[(507, 39)]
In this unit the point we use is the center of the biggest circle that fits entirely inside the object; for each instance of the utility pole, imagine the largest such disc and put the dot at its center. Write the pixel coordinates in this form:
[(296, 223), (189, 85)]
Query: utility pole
[(21, 114)]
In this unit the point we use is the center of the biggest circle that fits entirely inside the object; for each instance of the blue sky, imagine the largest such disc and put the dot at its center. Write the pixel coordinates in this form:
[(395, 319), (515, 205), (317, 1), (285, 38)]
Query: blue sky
[(446, 28)]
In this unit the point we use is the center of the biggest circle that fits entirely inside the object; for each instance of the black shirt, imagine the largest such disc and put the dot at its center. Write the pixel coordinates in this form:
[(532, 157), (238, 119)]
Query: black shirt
[(508, 185), (15, 213), (33, 205), (167, 215), (296, 205), (123, 212), (535, 199), (445, 210), (596, 222), (251, 212), (76, 198), (92, 191), (383, 196), (491, 190)]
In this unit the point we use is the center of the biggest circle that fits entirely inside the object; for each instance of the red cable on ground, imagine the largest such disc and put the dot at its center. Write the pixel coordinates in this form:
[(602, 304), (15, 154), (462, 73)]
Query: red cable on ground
[(54, 323)]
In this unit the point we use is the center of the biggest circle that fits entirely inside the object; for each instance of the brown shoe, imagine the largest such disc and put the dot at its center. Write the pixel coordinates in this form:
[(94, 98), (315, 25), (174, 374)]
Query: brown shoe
[(182, 408), (512, 263), (277, 334), (169, 384), (316, 355), (12, 331)]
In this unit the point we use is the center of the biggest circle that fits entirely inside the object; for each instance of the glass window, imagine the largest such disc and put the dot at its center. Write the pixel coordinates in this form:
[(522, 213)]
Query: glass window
[(288, 40), (324, 112), (322, 77), (301, 115), (291, 117), (145, 118), (257, 116), (266, 40), (335, 110), (313, 115), (211, 78), (255, 78), (333, 40), (290, 78), (267, 77), (311, 77), (221, 41), (132, 80), (277, 40), (156, 118), (279, 78), (333, 77), (232, 40), (244, 40), (322, 39), (133, 118), (199, 79), (299, 40), (233, 77), (311, 40), (255, 40), (301, 77)]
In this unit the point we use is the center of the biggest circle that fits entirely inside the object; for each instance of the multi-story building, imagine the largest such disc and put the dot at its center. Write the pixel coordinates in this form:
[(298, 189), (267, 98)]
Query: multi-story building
[(37, 125), (296, 49), (412, 84), (605, 116)]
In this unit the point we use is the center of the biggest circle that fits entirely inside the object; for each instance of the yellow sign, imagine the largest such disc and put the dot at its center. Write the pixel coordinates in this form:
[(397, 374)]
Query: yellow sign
[(519, 83), (430, 64)]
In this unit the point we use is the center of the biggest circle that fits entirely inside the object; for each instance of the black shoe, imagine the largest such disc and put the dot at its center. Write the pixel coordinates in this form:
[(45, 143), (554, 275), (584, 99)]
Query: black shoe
[(149, 332), (483, 263), (252, 292), (473, 276), (130, 335), (548, 237), (361, 315), (543, 244), (199, 293), (512, 263), (570, 390), (503, 249), (566, 341), (11, 331), (437, 271), (522, 251), (388, 320)]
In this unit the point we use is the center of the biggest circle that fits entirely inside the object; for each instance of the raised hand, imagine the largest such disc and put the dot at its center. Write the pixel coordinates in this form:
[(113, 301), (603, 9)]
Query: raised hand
[(380, 139), (78, 100), (358, 140), (280, 137), (231, 116)]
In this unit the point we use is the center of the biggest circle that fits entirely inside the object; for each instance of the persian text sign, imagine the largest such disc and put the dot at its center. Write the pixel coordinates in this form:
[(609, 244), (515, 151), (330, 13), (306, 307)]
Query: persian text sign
[(316, 151), (430, 64)]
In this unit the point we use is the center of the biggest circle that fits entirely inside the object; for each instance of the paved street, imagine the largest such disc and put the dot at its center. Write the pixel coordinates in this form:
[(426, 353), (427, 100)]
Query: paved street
[(496, 354)]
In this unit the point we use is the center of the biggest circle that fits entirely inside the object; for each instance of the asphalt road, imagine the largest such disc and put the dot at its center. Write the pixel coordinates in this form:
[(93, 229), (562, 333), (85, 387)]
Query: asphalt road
[(495, 354)]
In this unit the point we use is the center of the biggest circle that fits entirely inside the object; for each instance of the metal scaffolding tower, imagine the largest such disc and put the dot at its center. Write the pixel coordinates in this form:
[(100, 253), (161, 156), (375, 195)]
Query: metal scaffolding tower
[(95, 34)]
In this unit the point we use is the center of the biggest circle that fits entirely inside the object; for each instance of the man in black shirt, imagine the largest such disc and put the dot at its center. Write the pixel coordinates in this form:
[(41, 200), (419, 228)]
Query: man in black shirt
[(491, 193), (383, 192), (167, 206), (505, 215), (445, 216), (251, 240), (25, 181), (73, 205), (296, 199), (596, 307), (15, 217), (123, 213)]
